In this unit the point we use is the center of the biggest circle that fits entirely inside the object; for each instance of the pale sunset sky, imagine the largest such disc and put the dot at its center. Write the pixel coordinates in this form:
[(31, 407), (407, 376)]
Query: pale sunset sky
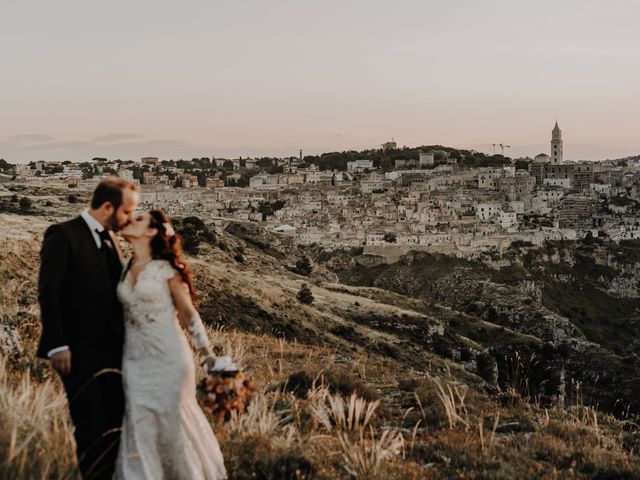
[(125, 79)]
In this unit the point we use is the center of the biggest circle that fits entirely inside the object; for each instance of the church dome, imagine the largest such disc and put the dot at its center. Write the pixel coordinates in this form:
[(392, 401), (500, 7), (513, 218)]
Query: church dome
[(542, 158)]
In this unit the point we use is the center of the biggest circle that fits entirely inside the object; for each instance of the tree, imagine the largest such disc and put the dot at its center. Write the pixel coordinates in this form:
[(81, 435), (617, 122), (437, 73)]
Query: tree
[(304, 266), (190, 239), (194, 231), (5, 166), (304, 295), (25, 204), (195, 221), (265, 162), (278, 205), (202, 179)]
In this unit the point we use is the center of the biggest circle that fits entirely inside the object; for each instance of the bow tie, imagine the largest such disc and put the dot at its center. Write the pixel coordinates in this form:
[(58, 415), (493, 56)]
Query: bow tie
[(104, 236)]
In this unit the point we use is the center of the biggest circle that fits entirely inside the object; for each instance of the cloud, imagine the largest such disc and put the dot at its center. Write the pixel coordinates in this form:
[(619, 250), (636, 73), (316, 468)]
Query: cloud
[(165, 148), (31, 137), (116, 137)]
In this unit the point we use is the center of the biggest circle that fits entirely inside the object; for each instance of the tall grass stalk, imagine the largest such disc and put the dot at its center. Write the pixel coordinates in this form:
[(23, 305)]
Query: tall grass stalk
[(334, 412), (36, 436), (363, 456), (453, 403)]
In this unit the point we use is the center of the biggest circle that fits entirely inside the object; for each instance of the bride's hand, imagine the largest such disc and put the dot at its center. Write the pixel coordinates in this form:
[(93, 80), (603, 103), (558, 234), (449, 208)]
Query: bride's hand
[(209, 362)]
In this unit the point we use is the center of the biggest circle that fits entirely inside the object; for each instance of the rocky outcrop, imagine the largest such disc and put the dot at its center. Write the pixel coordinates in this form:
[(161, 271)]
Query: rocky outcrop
[(10, 342)]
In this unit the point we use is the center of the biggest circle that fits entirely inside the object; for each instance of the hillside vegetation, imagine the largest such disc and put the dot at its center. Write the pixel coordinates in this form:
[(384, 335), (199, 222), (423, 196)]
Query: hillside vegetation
[(385, 374)]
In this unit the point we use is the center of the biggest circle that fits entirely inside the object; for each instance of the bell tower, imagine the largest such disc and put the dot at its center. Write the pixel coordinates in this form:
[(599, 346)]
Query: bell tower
[(556, 144)]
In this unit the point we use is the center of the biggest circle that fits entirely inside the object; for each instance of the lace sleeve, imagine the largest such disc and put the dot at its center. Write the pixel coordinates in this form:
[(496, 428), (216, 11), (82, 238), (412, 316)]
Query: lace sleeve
[(164, 270), (198, 333)]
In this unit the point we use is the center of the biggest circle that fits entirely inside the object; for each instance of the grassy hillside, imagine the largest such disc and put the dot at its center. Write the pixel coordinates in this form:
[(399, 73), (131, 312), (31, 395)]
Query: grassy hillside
[(427, 398)]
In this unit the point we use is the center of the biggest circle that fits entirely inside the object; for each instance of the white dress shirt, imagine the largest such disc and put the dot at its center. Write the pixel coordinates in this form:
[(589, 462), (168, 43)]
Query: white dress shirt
[(93, 225)]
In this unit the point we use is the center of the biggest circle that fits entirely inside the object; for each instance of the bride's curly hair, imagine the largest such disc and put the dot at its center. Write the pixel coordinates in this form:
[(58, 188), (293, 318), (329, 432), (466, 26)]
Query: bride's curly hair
[(167, 245)]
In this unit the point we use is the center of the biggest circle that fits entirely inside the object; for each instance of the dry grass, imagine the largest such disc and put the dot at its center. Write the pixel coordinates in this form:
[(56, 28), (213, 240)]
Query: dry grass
[(453, 402), (36, 439), (333, 412), (363, 455)]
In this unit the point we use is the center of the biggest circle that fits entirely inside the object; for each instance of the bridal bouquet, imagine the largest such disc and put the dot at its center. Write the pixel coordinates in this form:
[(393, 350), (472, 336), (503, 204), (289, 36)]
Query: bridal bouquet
[(225, 389)]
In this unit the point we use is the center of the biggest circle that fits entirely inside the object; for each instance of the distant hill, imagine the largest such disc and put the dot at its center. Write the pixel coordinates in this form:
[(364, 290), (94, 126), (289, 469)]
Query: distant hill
[(385, 159)]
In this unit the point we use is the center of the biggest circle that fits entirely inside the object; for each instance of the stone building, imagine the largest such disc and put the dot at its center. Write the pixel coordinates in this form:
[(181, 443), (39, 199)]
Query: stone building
[(536, 168)]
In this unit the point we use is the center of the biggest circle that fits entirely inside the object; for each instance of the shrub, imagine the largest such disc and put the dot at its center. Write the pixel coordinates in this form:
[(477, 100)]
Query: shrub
[(487, 368), (337, 380), (390, 237), (304, 266), (190, 239), (304, 295), (25, 204), (195, 221), (194, 231)]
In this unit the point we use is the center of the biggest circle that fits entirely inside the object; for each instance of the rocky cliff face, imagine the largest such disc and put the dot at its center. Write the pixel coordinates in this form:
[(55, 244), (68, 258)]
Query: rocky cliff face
[(579, 304)]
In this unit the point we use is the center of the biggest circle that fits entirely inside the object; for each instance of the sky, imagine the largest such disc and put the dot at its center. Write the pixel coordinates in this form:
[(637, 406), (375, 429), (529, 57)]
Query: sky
[(126, 79)]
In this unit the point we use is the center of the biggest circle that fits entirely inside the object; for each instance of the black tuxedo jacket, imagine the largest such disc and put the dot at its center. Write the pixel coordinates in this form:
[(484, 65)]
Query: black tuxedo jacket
[(78, 302)]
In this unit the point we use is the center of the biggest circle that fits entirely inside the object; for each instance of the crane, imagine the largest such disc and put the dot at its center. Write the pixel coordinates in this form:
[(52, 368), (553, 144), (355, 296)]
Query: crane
[(502, 147)]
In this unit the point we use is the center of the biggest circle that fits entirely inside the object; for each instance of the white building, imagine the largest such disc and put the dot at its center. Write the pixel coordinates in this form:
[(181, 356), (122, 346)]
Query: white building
[(126, 174), (557, 182), (603, 188), (359, 165), (287, 230), (507, 219), (550, 196), (257, 181), (426, 159), (486, 211)]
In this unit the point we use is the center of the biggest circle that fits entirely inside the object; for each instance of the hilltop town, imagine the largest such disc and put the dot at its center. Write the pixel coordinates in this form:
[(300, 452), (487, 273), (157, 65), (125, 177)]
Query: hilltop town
[(388, 201)]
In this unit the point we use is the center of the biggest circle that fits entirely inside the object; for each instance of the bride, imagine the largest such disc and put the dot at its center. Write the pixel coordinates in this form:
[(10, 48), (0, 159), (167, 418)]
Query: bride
[(165, 434)]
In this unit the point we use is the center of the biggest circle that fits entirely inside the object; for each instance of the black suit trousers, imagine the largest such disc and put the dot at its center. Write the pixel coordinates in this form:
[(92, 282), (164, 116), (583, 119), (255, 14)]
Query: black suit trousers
[(96, 403)]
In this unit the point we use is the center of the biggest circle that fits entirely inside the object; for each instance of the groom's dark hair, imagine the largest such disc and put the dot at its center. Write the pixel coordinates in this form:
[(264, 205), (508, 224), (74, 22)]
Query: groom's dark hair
[(110, 190)]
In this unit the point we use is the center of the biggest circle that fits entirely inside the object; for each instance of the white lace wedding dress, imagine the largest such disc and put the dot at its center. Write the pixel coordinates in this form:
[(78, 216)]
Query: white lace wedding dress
[(165, 434)]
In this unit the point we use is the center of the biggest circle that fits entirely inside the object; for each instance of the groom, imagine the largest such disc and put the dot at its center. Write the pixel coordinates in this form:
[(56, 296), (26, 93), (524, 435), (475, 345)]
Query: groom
[(82, 326)]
